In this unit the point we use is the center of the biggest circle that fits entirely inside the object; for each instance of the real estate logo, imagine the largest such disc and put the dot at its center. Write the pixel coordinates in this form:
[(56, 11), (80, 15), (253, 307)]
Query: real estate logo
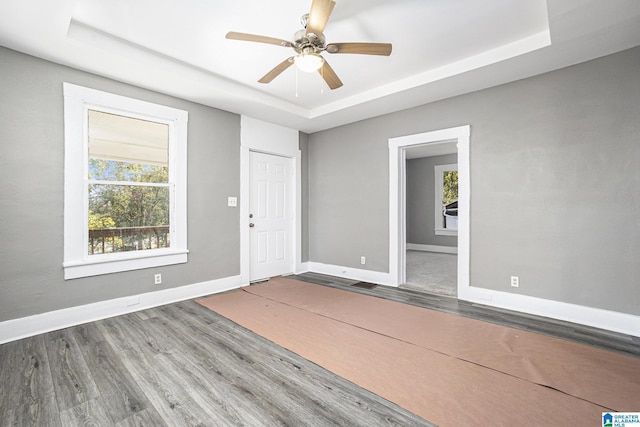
[(621, 419)]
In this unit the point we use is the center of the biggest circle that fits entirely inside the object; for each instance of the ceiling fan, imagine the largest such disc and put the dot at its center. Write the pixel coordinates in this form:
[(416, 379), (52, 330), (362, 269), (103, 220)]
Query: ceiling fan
[(310, 42)]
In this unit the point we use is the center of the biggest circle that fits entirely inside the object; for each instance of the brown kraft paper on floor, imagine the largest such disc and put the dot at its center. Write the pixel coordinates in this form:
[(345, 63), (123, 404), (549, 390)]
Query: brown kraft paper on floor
[(438, 387), (603, 377)]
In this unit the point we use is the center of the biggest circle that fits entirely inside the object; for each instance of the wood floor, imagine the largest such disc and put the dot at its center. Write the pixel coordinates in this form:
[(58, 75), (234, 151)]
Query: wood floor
[(177, 365), (625, 344), (184, 365)]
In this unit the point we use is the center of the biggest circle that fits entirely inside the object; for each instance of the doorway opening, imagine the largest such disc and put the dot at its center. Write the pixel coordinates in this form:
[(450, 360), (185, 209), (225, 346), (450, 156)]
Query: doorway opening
[(431, 195), (428, 144)]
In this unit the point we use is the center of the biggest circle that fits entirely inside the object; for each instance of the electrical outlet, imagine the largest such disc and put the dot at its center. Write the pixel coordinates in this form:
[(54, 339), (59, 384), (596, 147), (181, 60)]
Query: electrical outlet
[(157, 279), (515, 281), (363, 260)]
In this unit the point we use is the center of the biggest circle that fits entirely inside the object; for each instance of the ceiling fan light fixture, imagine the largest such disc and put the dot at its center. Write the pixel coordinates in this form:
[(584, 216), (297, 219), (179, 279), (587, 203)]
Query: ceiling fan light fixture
[(308, 62), (309, 42)]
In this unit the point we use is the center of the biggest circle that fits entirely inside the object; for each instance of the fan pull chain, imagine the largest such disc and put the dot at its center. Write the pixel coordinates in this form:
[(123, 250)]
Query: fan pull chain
[(322, 81), (296, 82)]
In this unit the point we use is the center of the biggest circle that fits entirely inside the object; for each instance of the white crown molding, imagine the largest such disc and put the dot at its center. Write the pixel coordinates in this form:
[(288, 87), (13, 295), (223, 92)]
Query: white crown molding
[(493, 56)]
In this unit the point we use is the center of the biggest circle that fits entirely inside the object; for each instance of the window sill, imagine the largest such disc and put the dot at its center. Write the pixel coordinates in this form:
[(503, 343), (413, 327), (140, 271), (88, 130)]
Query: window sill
[(114, 264), (446, 232)]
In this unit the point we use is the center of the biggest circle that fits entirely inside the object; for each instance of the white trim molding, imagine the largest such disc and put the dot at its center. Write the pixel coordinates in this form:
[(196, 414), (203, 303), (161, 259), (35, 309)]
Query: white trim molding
[(598, 318), (595, 317), (268, 138), (77, 261), (15, 329), (303, 267), (351, 273), (397, 204)]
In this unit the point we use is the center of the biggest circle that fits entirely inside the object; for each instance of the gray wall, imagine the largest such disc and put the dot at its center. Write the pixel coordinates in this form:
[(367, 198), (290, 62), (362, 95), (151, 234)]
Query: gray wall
[(304, 149), (420, 199), (348, 196), (557, 157), (31, 193)]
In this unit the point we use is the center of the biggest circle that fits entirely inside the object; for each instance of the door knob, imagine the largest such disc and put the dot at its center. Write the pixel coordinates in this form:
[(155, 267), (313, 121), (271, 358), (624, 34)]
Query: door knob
[(251, 224)]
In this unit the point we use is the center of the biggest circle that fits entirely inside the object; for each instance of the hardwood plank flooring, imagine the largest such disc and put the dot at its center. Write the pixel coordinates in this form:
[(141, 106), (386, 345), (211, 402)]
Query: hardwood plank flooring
[(625, 344), (72, 380), (176, 365), (28, 397), (121, 395), (184, 365)]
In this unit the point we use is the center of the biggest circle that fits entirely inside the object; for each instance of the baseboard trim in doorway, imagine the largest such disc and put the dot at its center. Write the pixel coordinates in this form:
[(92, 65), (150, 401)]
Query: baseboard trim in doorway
[(432, 248)]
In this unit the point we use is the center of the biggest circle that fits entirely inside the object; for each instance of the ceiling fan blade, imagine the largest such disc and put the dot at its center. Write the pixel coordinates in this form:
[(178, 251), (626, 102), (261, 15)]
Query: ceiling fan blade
[(277, 70), (255, 38), (330, 76), (319, 16), (360, 48)]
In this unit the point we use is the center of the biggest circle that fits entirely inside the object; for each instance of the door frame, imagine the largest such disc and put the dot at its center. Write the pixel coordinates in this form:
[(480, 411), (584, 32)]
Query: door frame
[(397, 201), (272, 139), (289, 219), (245, 197)]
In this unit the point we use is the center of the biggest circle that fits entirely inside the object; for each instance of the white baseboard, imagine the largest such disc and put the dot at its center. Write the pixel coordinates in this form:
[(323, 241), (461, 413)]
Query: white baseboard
[(302, 267), (432, 248), (351, 273), (598, 318), (16, 329), (595, 317)]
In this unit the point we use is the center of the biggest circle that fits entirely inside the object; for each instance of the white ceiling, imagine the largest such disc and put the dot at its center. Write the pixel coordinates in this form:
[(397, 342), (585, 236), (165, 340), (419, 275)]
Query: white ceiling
[(441, 48)]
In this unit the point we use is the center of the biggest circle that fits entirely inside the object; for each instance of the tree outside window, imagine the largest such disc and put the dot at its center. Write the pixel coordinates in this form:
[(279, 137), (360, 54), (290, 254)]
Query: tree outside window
[(449, 187), (125, 183), (446, 200), (129, 198)]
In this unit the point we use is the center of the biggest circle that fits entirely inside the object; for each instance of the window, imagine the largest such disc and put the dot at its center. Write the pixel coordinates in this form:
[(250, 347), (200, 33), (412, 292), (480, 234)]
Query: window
[(446, 200), (125, 183)]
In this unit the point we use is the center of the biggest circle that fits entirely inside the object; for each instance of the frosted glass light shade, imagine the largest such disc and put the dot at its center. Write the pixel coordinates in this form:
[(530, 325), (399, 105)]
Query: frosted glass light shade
[(308, 62)]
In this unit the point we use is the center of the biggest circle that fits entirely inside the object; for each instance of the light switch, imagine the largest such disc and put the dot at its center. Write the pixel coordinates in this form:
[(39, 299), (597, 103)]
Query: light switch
[(232, 201)]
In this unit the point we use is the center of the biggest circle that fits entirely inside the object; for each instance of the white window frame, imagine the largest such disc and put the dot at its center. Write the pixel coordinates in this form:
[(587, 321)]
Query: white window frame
[(77, 262), (439, 181)]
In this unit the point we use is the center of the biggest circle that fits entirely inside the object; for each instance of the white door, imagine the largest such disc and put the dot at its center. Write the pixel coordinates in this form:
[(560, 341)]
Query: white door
[(270, 216)]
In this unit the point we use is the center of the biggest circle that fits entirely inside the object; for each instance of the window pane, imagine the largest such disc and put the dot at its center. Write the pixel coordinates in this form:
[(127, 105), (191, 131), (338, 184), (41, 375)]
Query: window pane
[(450, 200), (111, 170), (449, 187), (127, 149), (128, 218)]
